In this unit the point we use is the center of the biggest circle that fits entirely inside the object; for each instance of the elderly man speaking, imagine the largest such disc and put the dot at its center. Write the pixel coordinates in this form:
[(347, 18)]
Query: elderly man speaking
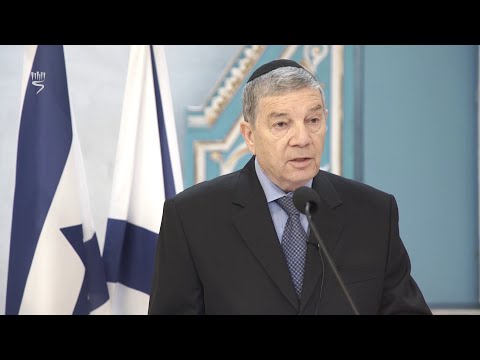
[(237, 244)]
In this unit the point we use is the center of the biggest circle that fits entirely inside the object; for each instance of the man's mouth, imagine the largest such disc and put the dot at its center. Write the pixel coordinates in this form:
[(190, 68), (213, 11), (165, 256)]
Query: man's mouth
[(301, 161)]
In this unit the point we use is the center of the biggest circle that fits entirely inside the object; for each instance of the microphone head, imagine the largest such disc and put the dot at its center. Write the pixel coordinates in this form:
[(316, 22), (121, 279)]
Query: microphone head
[(303, 195)]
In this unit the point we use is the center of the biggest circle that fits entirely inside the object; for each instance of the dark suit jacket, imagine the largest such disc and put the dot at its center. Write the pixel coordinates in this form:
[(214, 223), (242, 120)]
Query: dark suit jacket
[(218, 252)]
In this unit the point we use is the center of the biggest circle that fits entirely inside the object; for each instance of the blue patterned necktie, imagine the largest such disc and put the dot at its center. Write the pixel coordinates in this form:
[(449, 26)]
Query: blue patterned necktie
[(294, 242)]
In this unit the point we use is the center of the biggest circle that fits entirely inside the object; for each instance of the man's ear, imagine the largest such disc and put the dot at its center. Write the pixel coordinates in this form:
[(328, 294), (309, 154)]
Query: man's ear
[(247, 132)]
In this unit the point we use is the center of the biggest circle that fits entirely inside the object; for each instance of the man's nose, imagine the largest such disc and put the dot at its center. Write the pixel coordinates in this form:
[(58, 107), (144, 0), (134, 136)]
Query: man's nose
[(301, 136)]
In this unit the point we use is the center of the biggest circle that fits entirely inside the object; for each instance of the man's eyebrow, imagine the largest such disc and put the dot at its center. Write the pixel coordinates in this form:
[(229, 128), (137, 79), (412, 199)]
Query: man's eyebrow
[(277, 114), (316, 108)]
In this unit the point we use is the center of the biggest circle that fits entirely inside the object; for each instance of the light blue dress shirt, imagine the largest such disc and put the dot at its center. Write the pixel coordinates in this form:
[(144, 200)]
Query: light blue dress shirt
[(272, 193)]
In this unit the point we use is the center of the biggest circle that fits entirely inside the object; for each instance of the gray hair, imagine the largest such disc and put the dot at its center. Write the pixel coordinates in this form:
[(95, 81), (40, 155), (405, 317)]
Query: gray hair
[(276, 82)]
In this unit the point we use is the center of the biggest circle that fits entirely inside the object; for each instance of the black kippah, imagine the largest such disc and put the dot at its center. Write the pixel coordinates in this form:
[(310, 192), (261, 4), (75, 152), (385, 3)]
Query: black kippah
[(272, 65)]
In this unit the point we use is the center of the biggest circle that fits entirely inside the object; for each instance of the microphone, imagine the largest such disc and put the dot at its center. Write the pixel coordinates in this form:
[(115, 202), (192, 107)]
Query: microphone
[(306, 201)]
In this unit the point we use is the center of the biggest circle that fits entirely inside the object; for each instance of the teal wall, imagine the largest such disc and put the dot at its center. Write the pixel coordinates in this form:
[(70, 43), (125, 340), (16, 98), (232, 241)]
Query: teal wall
[(193, 72), (420, 144)]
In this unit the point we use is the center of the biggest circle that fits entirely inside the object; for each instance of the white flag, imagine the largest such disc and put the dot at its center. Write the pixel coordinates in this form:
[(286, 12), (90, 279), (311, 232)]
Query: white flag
[(147, 171)]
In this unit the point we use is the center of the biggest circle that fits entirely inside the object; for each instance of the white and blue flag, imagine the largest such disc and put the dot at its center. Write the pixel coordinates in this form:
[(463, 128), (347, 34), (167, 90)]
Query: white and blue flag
[(55, 265), (147, 171)]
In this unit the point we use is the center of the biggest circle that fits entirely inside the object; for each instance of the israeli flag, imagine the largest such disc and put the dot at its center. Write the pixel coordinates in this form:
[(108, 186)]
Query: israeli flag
[(55, 265), (147, 171)]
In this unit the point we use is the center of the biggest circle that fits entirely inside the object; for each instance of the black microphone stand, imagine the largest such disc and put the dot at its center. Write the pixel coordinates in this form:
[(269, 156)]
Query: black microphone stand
[(329, 259)]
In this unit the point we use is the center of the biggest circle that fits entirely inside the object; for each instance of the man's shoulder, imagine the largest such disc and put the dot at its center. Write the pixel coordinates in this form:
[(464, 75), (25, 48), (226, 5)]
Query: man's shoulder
[(347, 188), (209, 190)]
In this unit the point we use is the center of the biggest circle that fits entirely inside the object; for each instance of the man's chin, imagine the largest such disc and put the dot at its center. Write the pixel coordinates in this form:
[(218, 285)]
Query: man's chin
[(296, 183), (299, 175)]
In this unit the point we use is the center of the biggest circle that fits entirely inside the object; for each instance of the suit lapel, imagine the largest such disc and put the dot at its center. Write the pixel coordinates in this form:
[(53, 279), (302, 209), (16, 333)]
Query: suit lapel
[(329, 225), (255, 224)]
